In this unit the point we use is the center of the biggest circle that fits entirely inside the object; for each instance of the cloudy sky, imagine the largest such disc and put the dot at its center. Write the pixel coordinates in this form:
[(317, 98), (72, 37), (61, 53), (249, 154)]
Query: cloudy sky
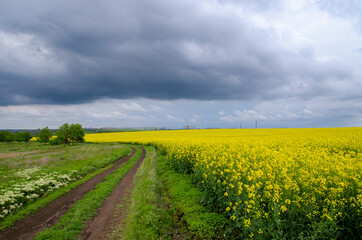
[(161, 63)]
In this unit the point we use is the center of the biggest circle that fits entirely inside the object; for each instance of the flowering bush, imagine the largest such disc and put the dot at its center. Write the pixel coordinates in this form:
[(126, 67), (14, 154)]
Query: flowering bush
[(31, 186)]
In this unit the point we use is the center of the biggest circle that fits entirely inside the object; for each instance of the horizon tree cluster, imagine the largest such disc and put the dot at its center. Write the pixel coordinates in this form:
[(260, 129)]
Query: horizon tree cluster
[(67, 134), (6, 136)]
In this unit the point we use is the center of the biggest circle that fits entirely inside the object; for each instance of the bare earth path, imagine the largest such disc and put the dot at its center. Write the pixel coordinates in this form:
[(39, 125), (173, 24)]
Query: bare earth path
[(48, 216), (101, 224)]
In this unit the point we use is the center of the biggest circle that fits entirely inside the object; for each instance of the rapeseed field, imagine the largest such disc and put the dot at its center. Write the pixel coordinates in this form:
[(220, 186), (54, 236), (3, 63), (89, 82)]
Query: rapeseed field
[(270, 183)]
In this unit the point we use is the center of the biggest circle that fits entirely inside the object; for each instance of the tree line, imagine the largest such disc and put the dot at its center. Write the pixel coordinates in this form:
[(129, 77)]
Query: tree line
[(6, 136), (66, 134)]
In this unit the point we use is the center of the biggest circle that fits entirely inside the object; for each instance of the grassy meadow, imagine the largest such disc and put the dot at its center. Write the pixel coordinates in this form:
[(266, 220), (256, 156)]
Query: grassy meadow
[(31, 171)]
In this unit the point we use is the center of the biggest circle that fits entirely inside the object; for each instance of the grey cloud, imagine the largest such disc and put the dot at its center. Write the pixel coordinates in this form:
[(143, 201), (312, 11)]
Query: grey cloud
[(291, 112), (158, 50), (343, 8), (320, 112), (350, 9), (261, 5)]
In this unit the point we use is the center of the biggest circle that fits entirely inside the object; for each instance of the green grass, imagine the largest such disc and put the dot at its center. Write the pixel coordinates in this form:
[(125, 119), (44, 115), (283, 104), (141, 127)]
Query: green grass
[(86, 159), (20, 147), (190, 218), (166, 205), (148, 217), (73, 221), (82, 157)]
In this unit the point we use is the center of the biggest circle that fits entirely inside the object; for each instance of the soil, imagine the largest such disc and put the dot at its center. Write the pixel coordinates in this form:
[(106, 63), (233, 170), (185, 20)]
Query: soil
[(49, 215), (103, 223), (31, 153), (15, 154)]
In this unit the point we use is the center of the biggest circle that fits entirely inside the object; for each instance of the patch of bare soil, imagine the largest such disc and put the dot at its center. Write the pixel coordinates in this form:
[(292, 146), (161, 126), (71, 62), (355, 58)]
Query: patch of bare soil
[(118, 223), (45, 160), (48, 216), (103, 223), (15, 154)]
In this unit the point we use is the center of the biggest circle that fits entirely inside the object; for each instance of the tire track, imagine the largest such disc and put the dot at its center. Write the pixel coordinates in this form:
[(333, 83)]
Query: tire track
[(100, 225), (49, 215)]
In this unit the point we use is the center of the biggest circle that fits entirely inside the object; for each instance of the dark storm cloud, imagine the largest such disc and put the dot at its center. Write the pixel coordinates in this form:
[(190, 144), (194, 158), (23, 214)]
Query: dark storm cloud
[(151, 49)]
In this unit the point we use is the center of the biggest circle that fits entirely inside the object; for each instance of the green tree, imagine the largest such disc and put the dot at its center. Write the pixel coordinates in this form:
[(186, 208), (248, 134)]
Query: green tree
[(19, 137), (27, 136), (76, 133), (64, 134), (44, 135), (2, 136), (70, 133), (6, 136)]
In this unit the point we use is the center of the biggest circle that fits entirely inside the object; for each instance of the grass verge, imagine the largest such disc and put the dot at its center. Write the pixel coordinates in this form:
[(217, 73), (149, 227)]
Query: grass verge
[(147, 216), (73, 221), (32, 207), (166, 205), (191, 220)]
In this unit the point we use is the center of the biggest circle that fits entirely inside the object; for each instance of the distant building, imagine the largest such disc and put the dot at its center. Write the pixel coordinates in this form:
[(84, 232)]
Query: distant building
[(189, 127)]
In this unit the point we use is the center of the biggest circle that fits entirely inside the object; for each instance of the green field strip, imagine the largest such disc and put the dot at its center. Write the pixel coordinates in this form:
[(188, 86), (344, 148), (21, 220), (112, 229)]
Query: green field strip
[(45, 200), (147, 216), (73, 221), (165, 204), (189, 216)]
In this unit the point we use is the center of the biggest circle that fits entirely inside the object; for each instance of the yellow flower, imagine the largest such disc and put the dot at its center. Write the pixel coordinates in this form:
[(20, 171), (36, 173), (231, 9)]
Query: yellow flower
[(283, 208), (247, 222), (315, 168)]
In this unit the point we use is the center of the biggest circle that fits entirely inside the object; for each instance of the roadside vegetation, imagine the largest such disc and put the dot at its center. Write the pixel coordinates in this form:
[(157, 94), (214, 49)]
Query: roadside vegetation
[(190, 219), (148, 217), (164, 204), (30, 173), (73, 221)]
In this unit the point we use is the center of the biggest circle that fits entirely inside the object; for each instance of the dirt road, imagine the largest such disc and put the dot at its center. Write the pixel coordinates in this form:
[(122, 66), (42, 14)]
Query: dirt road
[(101, 224), (49, 215)]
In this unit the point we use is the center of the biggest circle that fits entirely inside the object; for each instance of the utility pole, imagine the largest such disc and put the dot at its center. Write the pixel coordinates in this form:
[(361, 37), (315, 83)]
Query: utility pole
[(256, 123)]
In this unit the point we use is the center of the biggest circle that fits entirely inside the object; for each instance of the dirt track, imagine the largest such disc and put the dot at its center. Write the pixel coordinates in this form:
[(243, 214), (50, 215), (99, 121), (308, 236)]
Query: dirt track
[(48, 216), (101, 224)]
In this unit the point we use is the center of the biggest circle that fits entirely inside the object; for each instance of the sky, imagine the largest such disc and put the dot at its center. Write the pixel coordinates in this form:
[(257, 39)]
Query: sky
[(161, 63)]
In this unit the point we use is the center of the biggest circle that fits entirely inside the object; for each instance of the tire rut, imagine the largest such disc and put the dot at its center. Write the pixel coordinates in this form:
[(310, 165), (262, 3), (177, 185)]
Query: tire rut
[(101, 224), (50, 214)]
